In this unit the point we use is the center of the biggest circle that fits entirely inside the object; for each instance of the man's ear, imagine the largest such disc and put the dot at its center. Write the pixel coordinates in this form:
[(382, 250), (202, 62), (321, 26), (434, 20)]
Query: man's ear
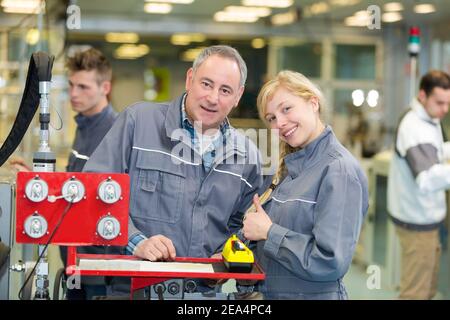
[(239, 96), (189, 77), (106, 87), (422, 96)]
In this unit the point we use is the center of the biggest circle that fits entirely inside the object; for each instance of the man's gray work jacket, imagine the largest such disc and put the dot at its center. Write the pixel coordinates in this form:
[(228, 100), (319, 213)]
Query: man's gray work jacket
[(170, 193)]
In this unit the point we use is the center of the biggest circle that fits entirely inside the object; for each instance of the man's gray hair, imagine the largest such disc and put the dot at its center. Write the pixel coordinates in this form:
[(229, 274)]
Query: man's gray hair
[(226, 52)]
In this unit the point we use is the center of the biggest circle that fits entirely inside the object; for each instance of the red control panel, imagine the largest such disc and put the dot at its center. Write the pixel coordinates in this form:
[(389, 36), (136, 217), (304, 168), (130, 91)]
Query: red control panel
[(97, 206)]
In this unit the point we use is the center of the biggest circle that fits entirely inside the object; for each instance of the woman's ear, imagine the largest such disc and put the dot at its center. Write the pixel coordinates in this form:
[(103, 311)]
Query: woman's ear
[(315, 103)]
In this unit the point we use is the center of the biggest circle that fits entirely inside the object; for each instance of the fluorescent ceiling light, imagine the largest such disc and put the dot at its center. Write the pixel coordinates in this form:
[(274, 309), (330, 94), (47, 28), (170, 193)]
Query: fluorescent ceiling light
[(344, 3), (191, 54), (171, 1), (257, 11), (161, 8), (131, 51), (391, 17), (183, 39), (122, 37), (284, 18), (319, 8), (359, 19), (23, 6), (355, 21), (226, 16), (268, 3), (424, 8), (362, 14), (393, 6)]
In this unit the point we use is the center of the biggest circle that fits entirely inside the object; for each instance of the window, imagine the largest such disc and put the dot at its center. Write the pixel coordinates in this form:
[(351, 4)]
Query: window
[(355, 62)]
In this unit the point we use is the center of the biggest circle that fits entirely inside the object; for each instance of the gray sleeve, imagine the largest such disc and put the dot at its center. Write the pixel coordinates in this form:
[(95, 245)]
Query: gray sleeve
[(326, 254), (421, 158), (114, 151)]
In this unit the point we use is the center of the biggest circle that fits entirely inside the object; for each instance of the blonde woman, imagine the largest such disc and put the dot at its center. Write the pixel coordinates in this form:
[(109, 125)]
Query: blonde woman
[(307, 229)]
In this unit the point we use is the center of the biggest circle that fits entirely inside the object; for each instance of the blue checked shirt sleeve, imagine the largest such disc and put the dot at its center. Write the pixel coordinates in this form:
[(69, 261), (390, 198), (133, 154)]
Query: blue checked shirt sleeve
[(133, 242)]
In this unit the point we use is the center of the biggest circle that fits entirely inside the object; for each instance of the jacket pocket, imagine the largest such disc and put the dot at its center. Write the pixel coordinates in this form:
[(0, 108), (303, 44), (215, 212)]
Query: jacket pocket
[(160, 191)]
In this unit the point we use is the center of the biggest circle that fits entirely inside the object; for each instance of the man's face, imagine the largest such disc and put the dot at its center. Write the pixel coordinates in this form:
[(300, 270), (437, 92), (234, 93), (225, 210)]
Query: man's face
[(213, 91), (87, 96), (437, 103)]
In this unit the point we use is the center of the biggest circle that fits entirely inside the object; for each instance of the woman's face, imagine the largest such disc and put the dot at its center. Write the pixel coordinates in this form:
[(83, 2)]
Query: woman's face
[(296, 119)]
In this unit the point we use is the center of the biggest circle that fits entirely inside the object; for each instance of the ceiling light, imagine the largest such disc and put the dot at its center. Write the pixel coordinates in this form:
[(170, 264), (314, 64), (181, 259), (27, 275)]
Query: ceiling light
[(161, 8), (393, 6), (191, 54), (257, 11), (122, 37), (284, 18), (226, 16), (391, 17), (268, 3), (319, 8), (359, 19), (344, 3), (131, 51), (23, 6), (424, 8), (172, 1), (355, 21), (183, 39)]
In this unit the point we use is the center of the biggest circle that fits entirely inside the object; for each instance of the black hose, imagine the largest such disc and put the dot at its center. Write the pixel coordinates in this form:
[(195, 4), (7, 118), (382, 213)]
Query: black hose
[(40, 69)]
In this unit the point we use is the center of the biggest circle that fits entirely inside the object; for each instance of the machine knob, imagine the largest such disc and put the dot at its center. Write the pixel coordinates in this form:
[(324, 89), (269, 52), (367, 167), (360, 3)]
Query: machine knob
[(35, 226), (108, 227), (109, 191), (73, 190), (36, 190)]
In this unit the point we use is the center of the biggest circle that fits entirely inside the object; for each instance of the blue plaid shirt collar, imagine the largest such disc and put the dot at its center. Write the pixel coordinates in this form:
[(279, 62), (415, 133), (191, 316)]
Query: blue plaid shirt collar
[(209, 155)]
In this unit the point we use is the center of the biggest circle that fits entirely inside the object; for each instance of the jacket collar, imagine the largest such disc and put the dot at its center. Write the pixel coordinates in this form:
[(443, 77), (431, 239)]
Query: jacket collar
[(173, 122), (419, 109), (297, 161), (88, 121)]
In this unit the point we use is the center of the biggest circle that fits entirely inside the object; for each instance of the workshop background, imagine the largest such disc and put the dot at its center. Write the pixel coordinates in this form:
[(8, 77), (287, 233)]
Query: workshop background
[(363, 70)]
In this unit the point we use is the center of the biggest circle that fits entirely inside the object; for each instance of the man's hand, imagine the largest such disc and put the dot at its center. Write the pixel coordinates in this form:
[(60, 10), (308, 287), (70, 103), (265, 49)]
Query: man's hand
[(156, 248), (256, 223), (18, 164)]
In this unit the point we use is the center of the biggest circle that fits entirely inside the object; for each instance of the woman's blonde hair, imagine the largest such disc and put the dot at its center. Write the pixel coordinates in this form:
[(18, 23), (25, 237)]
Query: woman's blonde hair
[(297, 84)]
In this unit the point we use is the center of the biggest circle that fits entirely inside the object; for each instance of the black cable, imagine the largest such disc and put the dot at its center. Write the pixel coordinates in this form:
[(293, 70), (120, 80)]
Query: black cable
[(69, 205), (160, 293)]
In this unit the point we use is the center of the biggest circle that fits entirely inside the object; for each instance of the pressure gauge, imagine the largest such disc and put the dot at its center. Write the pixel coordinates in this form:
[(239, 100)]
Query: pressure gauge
[(73, 190), (36, 190), (35, 226), (108, 227), (109, 191)]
